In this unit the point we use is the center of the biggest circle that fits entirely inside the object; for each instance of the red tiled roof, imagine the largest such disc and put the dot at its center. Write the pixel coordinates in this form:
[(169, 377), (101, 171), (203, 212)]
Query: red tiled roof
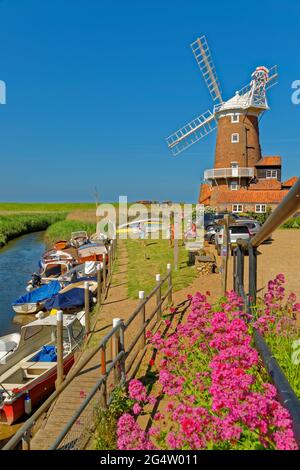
[(269, 161), (247, 196), (205, 192), (290, 182), (268, 183)]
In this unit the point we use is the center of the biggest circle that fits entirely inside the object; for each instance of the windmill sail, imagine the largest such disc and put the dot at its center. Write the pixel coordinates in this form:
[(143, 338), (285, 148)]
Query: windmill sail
[(204, 60), (191, 132)]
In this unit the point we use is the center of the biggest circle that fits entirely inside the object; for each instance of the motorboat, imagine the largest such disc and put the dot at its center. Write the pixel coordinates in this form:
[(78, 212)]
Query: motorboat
[(92, 252), (29, 373), (79, 238)]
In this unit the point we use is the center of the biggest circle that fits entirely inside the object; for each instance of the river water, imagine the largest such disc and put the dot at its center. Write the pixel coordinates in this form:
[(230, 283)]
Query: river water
[(18, 260)]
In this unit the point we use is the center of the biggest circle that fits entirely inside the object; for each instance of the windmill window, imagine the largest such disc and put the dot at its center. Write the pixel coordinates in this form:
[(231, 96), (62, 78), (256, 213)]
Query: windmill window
[(235, 118), (271, 174), (235, 138)]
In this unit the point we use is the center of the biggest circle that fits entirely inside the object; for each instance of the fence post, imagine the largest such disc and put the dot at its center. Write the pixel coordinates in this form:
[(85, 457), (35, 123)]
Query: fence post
[(87, 307), (103, 372), (26, 440), (252, 274), (142, 319), (109, 262), (239, 268), (158, 296), (122, 348), (116, 349), (169, 269), (99, 286), (60, 349), (234, 283), (104, 272)]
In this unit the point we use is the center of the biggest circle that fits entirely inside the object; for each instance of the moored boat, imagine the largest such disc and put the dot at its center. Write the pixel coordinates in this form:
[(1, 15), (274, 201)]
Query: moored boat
[(31, 377), (34, 301)]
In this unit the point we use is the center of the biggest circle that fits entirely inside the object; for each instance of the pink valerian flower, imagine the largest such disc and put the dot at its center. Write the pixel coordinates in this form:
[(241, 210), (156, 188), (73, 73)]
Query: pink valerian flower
[(130, 435), (137, 391), (234, 401), (136, 409)]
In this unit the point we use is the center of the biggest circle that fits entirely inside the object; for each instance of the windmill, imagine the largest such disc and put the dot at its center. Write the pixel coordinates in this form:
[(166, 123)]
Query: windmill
[(236, 120)]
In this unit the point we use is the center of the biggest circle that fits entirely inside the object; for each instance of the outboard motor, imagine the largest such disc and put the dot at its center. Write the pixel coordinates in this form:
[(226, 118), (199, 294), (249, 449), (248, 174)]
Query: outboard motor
[(36, 281)]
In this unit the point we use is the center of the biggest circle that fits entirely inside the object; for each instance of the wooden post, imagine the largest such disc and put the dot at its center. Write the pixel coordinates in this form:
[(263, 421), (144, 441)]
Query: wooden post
[(115, 349), (87, 307), (169, 269), (104, 273), (60, 349), (109, 261), (99, 286), (103, 372), (224, 253), (122, 348), (26, 440), (142, 319), (175, 252), (158, 297)]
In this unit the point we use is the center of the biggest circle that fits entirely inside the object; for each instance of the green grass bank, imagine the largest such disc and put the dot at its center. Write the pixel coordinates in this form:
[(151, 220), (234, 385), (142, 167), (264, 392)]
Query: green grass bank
[(62, 229), (12, 226)]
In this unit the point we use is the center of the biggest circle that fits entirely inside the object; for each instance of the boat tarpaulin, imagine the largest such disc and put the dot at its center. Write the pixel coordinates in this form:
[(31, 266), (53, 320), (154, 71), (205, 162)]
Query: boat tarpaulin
[(38, 295), (71, 298)]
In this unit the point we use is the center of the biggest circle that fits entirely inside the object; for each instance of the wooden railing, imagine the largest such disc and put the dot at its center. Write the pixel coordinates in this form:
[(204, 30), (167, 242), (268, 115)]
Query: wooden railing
[(122, 359)]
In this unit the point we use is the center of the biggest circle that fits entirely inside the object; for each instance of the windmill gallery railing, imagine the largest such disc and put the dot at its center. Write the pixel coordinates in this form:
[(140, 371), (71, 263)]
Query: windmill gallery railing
[(79, 429), (286, 209)]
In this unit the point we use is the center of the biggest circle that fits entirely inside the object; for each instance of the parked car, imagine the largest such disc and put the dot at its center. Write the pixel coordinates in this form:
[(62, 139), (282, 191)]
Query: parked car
[(235, 232), (253, 225), (210, 233)]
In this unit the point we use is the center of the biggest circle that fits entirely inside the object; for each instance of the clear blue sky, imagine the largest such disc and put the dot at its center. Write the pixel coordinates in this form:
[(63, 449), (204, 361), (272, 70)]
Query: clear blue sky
[(95, 86)]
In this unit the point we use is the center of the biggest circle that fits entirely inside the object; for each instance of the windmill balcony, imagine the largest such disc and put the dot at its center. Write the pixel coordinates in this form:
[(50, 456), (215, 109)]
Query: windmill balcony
[(239, 172)]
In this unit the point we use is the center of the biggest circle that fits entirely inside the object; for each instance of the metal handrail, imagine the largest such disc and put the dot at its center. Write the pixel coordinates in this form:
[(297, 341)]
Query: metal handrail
[(285, 209)]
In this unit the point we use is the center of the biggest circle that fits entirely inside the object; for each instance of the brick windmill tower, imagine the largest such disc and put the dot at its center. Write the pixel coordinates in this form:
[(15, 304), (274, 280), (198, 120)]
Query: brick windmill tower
[(238, 164)]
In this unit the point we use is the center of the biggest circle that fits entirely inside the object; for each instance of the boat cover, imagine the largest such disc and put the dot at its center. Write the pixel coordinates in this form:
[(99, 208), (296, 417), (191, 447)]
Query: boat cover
[(71, 298), (38, 295)]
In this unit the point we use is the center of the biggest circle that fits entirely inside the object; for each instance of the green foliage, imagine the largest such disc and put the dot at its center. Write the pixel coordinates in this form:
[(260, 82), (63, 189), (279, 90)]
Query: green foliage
[(106, 419), (62, 230), (260, 217), (292, 223), (12, 226)]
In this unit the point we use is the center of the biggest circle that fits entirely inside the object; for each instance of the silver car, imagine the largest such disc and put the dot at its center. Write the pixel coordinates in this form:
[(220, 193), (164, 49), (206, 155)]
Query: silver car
[(236, 231)]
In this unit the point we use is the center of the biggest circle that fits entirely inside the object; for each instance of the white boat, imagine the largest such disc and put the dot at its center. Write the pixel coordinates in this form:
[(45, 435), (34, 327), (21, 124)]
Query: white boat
[(79, 238), (29, 373), (8, 344)]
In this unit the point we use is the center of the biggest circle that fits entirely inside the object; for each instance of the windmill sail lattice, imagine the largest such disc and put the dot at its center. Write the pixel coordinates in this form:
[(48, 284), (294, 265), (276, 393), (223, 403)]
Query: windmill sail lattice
[(191, 132), (204, 60)]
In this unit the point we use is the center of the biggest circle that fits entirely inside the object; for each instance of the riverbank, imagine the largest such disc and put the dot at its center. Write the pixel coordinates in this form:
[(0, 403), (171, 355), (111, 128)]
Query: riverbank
[(12, 226), (62, 230)]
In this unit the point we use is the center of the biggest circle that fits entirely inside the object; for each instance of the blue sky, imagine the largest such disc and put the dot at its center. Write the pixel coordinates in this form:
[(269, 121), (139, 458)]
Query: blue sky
[(94, 87)]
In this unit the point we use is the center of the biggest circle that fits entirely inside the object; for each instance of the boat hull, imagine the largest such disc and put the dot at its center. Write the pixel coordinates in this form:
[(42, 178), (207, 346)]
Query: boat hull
[(28, 308), (39, 390)]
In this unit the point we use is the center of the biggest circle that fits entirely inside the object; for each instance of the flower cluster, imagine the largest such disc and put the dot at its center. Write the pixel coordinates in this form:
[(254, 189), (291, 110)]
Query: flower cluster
[(213, 374)]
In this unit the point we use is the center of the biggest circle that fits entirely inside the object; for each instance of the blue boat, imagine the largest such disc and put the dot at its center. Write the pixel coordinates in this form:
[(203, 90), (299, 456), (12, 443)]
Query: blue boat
[(35, 300)]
